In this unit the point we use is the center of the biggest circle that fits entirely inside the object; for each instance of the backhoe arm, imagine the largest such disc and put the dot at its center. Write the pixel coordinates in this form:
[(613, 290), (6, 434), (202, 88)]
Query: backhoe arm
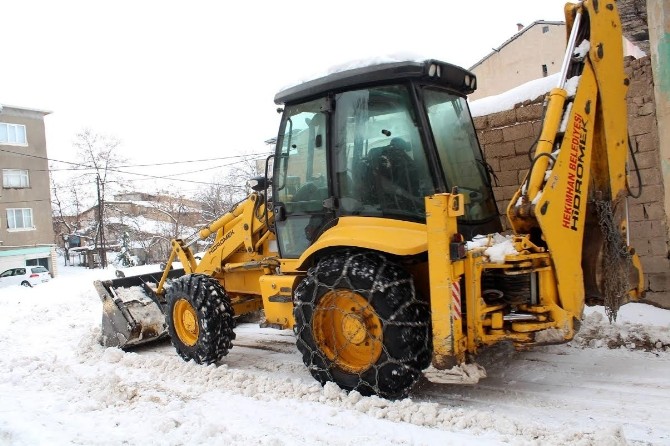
[(574, 196)]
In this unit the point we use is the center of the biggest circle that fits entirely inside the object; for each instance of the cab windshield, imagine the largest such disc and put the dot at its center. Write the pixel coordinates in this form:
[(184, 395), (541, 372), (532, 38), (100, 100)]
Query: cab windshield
[(379, 161), (459, 153)]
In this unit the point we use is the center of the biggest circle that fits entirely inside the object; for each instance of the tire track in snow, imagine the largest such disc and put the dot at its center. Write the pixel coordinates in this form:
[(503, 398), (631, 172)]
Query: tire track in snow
[(142, 377)]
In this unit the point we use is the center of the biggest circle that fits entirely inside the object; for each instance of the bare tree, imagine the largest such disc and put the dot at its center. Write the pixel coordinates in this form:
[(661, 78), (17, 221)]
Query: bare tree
[(99, 153), (152, 224), (224, 191), (184, 214), (67, 199)]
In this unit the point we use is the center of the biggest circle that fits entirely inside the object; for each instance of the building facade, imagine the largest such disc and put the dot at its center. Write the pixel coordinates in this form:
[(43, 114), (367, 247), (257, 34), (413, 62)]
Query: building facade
[(26, 229), (535, 51), (139, 223)]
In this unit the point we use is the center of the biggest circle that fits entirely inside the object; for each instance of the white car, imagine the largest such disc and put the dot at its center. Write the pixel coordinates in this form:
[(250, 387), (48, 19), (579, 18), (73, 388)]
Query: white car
[(27, 276)]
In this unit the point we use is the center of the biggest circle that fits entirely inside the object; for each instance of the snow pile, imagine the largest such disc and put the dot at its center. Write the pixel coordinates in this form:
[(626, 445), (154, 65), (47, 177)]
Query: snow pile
[(597, 332), (506, 101), (571, 87), (368, 62), (497, 246), (525, 92), (582, 49)]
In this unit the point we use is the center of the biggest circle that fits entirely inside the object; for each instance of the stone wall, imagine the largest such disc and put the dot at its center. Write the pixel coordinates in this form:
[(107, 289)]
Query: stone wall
[(633, 15), (507, 136)]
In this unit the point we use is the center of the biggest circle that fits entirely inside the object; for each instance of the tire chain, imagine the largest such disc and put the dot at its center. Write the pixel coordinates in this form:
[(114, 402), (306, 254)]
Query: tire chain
[(409, 315), (615, 261)]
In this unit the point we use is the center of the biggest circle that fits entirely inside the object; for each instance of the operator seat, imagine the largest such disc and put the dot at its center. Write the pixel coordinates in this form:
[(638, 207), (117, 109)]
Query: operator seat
[(393, 177)]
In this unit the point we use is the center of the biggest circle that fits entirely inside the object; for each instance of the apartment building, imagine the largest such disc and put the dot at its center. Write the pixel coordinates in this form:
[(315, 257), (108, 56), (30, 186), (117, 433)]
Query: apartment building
[(26, 229)]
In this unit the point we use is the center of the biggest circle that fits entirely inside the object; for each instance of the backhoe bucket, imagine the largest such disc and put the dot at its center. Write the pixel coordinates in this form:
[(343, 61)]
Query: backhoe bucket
[(132, 313)]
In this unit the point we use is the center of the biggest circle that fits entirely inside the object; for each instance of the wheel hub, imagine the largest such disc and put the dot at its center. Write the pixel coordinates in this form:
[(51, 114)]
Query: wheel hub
[(185, 321), (348, 330), (353, 328)]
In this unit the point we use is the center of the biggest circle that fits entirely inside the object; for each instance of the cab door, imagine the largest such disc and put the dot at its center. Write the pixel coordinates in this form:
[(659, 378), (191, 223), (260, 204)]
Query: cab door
[(301, 183)]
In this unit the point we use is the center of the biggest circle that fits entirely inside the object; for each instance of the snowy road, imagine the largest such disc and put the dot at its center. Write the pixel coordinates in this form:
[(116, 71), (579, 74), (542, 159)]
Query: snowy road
[(560, 387), (59, 386)]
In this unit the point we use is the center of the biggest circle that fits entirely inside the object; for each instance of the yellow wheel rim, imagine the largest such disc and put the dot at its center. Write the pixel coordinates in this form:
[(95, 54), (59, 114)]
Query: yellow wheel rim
[(185, 321), (347, 330)]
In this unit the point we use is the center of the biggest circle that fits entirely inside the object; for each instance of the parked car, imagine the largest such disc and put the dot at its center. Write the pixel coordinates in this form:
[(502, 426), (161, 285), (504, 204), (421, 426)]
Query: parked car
[(28, 276)]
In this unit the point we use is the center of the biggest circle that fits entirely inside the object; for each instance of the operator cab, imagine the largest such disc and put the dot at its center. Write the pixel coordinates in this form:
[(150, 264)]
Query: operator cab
[(373, 142)]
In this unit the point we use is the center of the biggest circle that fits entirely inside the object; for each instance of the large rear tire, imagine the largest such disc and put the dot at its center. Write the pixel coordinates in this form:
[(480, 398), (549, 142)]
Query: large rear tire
[(361, 324), (199, 318)]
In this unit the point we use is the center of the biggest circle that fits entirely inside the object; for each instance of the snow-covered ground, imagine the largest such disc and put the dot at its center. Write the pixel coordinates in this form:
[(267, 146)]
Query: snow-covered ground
[(610, 386)]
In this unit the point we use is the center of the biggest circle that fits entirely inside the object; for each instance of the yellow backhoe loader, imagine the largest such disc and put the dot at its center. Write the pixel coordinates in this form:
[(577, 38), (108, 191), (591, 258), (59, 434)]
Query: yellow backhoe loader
[(363, 238)]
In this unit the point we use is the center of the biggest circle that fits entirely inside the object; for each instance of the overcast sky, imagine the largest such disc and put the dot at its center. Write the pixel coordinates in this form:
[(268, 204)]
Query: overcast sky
[(178, 81)]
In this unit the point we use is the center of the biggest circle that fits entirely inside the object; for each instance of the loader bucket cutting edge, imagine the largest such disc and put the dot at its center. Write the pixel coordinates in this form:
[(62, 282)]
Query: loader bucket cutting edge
[(131, 314)]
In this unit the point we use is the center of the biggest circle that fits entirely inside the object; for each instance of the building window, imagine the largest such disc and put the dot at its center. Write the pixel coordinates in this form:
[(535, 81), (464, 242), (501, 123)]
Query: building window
[(20, 218), (14, 134), (544, 71), (15, 178), (545, 29)]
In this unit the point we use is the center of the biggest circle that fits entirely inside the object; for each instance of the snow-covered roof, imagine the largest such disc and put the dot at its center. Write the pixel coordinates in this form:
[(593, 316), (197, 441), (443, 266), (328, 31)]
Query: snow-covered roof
[(150, 226), (352, 65)]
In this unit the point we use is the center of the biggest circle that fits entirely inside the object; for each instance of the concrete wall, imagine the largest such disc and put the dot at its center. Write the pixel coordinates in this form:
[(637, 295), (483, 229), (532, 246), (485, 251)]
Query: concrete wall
[(507, 136)]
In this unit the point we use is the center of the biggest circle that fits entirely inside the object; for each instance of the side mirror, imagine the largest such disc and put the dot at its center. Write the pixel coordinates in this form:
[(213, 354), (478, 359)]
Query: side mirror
[(279, 212), (258, 184)]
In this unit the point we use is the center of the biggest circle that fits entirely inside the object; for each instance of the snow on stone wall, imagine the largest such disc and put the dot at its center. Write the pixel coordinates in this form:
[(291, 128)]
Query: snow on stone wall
[(506, 137)]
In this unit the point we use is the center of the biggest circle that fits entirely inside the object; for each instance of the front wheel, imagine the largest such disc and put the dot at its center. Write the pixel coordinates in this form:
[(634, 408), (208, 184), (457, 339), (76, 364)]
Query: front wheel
[(199, 318), (361, 324)]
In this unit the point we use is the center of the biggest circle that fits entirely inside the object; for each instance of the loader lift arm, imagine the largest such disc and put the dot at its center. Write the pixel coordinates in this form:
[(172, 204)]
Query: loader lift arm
[(132, 317)]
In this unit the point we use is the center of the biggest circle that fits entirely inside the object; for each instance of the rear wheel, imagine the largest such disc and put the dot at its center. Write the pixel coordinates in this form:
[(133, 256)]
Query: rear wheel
[(361, 323), (27, 284), (199, 318)]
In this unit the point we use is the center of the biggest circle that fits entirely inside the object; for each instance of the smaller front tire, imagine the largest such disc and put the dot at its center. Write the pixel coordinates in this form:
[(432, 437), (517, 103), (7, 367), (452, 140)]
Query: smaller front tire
[(199, 318)]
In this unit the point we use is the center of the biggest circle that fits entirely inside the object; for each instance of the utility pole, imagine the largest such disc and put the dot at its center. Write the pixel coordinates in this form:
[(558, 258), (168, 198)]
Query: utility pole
[(101, 228)]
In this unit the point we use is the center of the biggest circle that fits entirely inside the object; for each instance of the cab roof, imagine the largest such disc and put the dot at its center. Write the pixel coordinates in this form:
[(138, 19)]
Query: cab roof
[(429, 71)]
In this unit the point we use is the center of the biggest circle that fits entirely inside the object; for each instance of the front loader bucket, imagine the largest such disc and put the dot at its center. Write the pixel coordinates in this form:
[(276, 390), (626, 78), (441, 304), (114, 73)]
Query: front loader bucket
[(132, 313)]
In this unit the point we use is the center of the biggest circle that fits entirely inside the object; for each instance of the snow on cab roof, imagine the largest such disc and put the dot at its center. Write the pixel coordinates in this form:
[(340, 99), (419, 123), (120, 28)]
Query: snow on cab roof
[(372, 70)]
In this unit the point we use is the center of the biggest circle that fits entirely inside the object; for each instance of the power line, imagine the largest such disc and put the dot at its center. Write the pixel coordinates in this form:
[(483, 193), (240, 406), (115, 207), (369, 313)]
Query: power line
[(41, 157), (88, 166), (117, 170), (189, 161), (166, 163)]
